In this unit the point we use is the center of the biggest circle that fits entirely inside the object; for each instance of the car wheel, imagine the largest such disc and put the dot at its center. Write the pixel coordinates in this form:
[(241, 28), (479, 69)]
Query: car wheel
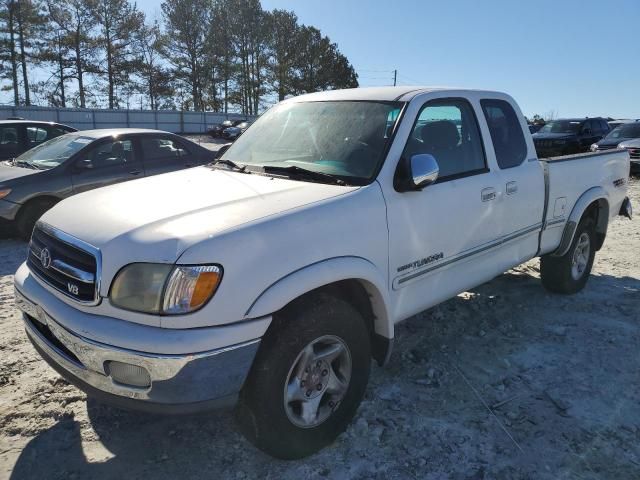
[(308, 378), (569, 273), (29, 214)]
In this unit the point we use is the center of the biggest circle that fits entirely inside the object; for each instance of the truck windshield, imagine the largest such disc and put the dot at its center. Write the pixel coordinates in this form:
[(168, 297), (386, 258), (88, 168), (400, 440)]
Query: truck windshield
[(345, 139), (626, 130), (54, 152), (561, 126)]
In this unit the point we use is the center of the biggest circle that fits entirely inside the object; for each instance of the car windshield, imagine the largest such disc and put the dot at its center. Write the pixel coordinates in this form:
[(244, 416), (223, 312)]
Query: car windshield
[(54, 152), (562, 126), (626, 130), (346, 139)]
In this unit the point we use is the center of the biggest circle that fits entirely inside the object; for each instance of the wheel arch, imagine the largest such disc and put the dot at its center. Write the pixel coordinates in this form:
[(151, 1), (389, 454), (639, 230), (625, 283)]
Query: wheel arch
[(595, 203), (41, 198), (354, 279)]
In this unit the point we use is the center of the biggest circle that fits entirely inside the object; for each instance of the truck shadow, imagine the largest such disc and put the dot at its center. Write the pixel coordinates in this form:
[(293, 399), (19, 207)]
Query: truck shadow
[(513, 341)]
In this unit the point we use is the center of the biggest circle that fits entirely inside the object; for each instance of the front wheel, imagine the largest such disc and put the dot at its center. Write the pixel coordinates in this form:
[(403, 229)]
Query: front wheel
[(29, 215), (308, 378), (569, 273)]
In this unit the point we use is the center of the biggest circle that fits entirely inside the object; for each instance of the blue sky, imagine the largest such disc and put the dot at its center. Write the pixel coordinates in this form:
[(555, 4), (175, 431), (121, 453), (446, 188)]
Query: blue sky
[(570, 57)]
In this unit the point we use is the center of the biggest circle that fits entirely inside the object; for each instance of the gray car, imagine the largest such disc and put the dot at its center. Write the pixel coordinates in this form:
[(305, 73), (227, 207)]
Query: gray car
[(39, 178)]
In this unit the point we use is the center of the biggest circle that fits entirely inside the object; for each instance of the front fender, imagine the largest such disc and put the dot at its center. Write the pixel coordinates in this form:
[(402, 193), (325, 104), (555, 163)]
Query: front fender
[(594, 194), (322, 273)]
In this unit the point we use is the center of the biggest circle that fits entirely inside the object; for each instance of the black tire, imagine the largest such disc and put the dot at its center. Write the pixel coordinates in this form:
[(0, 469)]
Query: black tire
[(556, 272), (261, 410), (29, 215)]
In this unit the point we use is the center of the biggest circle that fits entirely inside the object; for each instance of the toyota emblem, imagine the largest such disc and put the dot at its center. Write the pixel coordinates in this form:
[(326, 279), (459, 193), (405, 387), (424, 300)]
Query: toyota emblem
[(45, 258)]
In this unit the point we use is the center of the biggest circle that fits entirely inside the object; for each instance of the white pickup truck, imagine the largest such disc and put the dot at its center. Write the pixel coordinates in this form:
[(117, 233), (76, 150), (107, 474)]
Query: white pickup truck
[(276, 274)]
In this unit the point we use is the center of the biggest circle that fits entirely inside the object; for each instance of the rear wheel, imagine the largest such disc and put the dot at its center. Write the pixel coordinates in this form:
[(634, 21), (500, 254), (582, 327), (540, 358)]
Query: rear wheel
[(569, 273), (29, 215), (308, 378)]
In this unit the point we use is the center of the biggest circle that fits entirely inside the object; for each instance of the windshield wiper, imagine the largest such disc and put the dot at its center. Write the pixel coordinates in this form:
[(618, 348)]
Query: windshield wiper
[(22, 163), (303, 172), (230, 163)]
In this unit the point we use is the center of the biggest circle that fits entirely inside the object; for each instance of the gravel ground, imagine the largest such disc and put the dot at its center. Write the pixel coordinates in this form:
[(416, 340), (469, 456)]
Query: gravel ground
[(504, 382)]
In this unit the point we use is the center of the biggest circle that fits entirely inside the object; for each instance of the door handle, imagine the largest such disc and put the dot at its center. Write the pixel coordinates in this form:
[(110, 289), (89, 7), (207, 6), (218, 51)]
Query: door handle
[(135, 172), (511, 188), (488, 194)]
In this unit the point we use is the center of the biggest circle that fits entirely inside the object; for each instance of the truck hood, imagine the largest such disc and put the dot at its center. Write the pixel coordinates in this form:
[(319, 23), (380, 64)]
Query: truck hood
[(155, 219), (8, 172)]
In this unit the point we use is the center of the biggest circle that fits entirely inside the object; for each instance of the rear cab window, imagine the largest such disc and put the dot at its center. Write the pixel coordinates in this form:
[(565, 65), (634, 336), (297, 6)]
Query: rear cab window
[(506, 133)]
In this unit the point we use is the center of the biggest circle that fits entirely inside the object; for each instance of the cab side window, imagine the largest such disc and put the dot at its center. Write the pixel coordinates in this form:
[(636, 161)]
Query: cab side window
[(448, 130), (506, 133)]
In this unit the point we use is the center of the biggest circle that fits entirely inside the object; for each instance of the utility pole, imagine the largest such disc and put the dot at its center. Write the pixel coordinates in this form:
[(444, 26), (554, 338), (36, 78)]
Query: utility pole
[(395, 77)]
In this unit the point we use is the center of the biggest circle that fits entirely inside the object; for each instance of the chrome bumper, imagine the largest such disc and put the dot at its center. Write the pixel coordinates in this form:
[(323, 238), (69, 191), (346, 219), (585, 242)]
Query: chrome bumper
[(203, 379)]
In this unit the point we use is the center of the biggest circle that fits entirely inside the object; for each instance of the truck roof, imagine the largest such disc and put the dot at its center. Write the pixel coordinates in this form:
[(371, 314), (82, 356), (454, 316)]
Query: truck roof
[(404, 93)]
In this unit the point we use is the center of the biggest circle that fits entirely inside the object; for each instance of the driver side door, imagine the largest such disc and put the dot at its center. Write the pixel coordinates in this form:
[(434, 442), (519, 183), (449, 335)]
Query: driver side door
[(442, 238), (108, 162)]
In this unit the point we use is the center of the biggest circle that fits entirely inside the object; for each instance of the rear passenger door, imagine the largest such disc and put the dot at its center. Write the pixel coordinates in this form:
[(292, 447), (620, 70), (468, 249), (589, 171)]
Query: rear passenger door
[(106, 162), (520, 178), (163, 153)]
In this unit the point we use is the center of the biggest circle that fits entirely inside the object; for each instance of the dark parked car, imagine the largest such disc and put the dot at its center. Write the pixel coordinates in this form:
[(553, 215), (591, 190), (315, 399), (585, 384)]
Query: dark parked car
[(217, 129), (36, 180), (534, 127), (626, 131), (569, 135), (232, 133), (18, 136)]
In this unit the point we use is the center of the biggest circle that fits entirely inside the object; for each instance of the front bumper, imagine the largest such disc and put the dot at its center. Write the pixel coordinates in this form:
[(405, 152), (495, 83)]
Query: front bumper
[(176, 383)]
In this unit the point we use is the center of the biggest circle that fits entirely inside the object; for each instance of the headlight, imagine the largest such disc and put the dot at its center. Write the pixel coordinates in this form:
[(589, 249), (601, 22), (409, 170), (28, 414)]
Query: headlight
[(593, 148), (164, 289), (621, 147), (4, 192)]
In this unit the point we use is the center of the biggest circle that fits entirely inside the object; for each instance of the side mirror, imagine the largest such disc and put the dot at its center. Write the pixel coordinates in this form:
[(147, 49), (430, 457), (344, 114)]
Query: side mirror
[(222, 149), (416, 173)]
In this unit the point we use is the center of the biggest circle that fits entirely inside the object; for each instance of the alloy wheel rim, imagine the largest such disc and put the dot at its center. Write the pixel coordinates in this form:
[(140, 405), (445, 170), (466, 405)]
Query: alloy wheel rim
[(580, 257), (317, 381)]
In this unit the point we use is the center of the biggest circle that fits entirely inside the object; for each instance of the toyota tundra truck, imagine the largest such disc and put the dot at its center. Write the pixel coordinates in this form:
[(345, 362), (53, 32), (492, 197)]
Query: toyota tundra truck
[(271, 278)]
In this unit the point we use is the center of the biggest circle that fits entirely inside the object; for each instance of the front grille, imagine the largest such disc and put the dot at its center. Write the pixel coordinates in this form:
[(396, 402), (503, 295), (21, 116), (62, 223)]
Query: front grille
[(64, 263), (606, 147), (634, 153)]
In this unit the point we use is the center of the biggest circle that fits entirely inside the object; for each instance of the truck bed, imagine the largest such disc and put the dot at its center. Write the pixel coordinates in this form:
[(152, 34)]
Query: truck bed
[(569, 177)]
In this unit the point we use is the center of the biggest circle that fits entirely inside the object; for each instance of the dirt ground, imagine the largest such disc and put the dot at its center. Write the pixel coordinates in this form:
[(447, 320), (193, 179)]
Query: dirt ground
[(504, 382)]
